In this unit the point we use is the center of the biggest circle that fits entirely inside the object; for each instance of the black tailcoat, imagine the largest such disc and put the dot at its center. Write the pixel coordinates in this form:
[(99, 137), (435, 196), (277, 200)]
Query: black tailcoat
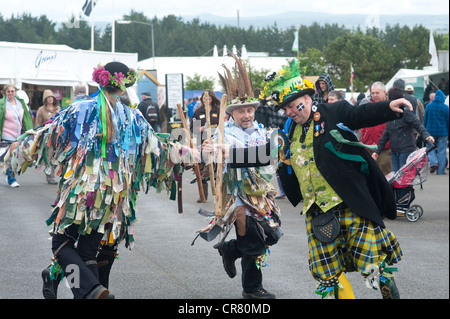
[(368, 195)]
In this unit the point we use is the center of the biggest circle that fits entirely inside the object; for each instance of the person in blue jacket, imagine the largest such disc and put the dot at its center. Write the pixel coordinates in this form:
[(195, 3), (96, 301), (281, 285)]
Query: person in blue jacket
[(435, 121)]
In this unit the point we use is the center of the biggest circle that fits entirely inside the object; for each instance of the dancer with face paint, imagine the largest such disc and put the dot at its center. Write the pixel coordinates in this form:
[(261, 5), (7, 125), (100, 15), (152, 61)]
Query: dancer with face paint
[(345, 195)]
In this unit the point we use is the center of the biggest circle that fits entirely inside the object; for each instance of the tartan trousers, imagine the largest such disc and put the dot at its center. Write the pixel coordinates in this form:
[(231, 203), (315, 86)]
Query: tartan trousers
[(361, 246)]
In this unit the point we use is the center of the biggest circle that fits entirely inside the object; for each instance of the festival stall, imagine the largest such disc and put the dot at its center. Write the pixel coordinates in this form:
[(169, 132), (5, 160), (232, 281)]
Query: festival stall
[(35, 67)]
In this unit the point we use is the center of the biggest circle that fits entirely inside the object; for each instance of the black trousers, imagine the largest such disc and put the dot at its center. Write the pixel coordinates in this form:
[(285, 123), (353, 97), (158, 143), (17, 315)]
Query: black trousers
[(79, 264), (247, 248), (105, 260)]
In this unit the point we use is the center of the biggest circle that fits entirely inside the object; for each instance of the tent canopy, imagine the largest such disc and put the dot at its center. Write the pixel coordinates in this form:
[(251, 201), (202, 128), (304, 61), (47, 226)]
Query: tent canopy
[(419, 79), (53, 65), (208, 66)]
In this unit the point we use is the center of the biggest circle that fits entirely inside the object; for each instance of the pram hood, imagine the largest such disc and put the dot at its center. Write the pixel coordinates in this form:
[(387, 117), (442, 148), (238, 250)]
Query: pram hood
[(414, 172)]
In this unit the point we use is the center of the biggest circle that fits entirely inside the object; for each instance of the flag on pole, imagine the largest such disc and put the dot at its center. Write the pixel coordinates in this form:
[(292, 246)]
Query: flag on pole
[(432, 50), (88, 5), (295, 44)]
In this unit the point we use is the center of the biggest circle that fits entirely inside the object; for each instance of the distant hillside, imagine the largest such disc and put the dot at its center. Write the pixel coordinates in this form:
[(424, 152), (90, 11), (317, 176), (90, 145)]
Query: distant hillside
[(438, 23)]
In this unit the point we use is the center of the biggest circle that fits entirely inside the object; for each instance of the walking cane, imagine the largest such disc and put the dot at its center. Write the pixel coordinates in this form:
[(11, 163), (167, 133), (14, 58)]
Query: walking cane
[(218, 197), (196, 168), (211, 232), (208, 131)]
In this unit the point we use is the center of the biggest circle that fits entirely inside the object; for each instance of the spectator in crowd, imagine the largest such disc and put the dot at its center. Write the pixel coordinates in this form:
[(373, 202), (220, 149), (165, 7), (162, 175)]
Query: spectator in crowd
[(150, 110), (400, 133), (335, 96), (190, 107), (371, 135), (443, 86), (44, 114), (360, 97), (198, 126), (430, 99), (420, 110), (14, 120), (400, 83), (323, 86), (435, 121), (80, 92)]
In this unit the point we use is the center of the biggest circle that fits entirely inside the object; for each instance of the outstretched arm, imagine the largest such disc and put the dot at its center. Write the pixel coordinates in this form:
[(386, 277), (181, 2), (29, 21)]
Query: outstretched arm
[(399, 104)]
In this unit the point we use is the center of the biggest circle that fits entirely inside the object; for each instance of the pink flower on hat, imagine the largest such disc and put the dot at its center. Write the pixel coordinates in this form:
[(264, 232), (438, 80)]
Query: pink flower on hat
[(104, 78), (119, 77), (101, 76)]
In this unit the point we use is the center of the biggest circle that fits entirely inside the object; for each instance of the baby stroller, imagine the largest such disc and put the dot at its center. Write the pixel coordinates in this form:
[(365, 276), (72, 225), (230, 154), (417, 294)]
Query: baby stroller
[(414, 172)]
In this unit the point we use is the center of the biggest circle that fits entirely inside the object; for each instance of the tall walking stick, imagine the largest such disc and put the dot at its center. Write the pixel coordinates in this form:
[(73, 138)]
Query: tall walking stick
[(196, 168), (208, 131), (218, 211)]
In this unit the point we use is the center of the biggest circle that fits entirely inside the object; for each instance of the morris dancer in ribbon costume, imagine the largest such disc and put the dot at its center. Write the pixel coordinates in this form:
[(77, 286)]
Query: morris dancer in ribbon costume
[(345, 195), (105, 152), (247, 195)]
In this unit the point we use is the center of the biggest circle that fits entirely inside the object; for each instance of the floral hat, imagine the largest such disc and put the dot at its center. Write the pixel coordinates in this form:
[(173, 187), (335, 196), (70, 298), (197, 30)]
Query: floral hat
[(115, 75), (286, 85), (239, 88)]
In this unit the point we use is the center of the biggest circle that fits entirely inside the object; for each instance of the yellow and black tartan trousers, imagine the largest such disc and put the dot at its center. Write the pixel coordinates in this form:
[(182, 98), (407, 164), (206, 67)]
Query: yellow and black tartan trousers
[(361, 246)]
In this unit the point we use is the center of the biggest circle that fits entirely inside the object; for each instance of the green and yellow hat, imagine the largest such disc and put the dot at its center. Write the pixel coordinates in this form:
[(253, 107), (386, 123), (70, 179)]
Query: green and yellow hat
[(286, 85)]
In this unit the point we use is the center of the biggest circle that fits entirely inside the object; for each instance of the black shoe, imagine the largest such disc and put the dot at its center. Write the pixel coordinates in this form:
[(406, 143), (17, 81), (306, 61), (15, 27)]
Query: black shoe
[(50, 287), (259, 294), (228, 263), (99, 292)]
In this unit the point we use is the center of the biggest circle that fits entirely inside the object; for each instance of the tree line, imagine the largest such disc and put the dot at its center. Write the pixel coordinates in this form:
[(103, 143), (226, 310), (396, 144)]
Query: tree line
[(374, 54)]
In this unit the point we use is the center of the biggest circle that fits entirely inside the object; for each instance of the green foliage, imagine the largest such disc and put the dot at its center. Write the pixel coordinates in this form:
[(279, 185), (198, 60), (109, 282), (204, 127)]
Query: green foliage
[(371, 60), (313, 62), (375, 54), (198, 83), (257, 77)]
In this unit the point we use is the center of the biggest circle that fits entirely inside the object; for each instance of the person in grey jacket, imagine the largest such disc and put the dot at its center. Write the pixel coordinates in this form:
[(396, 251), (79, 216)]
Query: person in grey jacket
[(323, 86), (400, 133)]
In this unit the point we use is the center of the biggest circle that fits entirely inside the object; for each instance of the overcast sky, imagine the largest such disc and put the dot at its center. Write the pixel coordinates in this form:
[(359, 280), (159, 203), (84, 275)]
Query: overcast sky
[(60, 10)]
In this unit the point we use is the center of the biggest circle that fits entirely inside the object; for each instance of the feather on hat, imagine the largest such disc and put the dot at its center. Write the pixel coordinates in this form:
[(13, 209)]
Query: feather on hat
[(239, 87)]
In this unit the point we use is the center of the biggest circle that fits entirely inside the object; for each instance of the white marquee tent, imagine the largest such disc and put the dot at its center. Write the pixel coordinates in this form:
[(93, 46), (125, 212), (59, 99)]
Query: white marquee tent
[(207, 66), (53, 65)]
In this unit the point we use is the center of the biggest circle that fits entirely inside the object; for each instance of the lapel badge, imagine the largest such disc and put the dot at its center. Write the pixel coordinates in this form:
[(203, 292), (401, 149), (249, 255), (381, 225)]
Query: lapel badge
[(316, 116), (322, 128)]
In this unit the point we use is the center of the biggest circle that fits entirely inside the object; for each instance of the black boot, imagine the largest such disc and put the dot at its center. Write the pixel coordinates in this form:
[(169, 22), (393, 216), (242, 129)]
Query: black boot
[(259, 294), (50, 286), (228, 258)]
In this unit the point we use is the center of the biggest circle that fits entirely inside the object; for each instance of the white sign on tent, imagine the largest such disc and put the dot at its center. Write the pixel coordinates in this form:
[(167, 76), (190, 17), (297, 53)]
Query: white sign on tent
[(174, 91)]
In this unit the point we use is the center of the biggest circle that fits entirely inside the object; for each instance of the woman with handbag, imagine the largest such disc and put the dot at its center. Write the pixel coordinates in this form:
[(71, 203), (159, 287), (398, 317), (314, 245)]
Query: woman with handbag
[(15, 118)]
